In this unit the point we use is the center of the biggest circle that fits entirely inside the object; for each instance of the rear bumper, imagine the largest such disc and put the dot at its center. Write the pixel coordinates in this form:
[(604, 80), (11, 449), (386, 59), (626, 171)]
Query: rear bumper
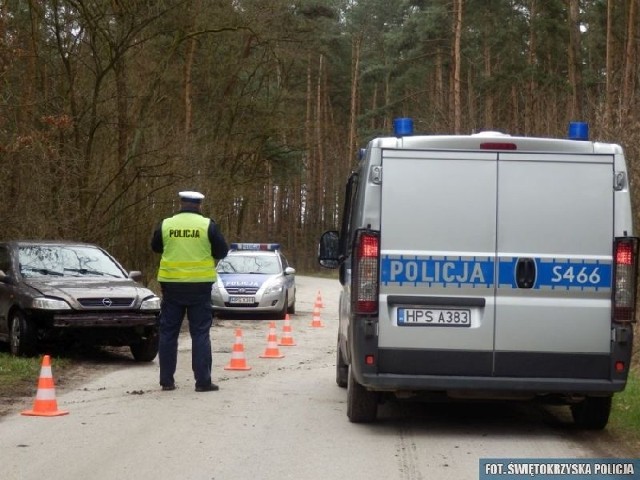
[(534, 386), (535, 373)]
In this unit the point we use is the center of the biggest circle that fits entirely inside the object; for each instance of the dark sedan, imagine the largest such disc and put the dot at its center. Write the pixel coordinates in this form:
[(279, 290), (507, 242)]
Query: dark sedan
[(54, 291)]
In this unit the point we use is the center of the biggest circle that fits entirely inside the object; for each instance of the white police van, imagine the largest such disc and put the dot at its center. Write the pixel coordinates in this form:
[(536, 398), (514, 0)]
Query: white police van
[(486, 266)]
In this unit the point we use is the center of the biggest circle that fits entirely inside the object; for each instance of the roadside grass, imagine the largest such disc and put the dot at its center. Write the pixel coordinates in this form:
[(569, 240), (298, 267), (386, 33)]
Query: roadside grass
[(19, 376), (14, 370), (625, 413)]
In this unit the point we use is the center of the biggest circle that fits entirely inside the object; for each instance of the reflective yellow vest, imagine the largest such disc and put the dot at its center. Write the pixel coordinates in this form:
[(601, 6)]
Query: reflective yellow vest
[(186, 255)]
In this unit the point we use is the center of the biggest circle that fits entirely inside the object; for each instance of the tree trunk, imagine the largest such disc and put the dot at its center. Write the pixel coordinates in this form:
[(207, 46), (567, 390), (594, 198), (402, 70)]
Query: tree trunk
[(457, 61), (530, 111), (488, 95), (608, 103), (628, 84), (574, 61), (353, 113)]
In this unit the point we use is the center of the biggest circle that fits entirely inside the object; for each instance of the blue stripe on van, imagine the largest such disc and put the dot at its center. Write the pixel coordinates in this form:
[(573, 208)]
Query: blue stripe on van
[(448, 271), (560, 273), (478, 272)]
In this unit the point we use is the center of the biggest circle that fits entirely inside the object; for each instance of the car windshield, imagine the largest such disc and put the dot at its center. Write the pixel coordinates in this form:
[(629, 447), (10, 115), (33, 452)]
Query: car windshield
[(265, 264), (66, 260)]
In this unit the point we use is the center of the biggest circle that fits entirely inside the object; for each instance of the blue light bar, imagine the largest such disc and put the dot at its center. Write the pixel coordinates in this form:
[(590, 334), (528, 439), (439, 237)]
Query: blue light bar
[(272, 247), (578, 131), (403, 127)]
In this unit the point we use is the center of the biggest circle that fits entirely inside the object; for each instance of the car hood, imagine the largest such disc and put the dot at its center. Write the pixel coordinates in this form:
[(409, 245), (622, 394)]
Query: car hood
[(255, 280), (82, 287)]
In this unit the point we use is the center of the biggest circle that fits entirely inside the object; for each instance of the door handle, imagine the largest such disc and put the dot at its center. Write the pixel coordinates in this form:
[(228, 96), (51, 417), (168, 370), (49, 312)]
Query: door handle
[(526, 272)]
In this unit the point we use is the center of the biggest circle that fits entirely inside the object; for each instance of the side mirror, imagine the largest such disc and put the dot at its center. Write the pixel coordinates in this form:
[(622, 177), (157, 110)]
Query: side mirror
[(135, 275), (289, 271), (328, 249)]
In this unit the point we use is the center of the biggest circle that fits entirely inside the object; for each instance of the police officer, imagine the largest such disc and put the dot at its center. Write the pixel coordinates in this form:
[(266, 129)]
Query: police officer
[(190, 244)]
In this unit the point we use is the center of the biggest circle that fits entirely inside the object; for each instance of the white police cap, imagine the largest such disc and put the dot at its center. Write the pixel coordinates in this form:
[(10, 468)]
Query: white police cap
[(189, 196)]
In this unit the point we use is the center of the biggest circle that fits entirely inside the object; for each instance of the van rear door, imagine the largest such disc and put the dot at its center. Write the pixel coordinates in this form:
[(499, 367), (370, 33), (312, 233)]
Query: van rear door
[(437, 262), (496, 264), (554, 244)]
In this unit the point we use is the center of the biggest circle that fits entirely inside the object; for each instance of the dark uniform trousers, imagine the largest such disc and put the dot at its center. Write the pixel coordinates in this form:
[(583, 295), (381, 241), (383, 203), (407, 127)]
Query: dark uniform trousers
[(194, 299)]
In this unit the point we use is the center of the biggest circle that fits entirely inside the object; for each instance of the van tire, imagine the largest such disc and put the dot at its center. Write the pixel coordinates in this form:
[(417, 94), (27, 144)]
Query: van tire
[(592, 413), (362, 405), (342, 369)]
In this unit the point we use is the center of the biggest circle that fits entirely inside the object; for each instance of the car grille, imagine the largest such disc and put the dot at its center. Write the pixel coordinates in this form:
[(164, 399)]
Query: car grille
[(241, 290), (106, 302)]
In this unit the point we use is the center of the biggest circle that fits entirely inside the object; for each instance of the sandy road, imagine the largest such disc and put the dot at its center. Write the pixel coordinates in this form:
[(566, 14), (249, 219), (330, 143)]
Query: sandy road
[(283, 419)]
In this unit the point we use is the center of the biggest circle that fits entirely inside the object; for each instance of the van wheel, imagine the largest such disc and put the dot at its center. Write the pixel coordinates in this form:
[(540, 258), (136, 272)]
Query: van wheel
[(146, 349), (342, 369), (592, 413), (22, 340), (362, 405)]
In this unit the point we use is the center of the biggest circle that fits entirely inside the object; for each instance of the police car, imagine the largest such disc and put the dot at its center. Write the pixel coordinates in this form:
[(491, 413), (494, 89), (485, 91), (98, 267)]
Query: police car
[(254, 278)]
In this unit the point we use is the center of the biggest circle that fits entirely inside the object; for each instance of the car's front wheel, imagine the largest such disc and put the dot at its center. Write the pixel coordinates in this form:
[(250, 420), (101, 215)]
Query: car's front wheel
[(22, 342), (281, 315), (146, 349), (292, 308)]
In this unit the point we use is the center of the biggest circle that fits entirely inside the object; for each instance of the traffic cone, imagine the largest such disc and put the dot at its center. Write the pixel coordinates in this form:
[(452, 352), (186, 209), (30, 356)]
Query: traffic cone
[(319, 303), (287, 337), (316, 321), (45, 404), (238, 360), (272, 350)]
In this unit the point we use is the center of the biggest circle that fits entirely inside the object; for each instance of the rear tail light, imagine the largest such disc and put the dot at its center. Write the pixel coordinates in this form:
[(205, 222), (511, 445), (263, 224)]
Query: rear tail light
[(366, 256), (625, 271)]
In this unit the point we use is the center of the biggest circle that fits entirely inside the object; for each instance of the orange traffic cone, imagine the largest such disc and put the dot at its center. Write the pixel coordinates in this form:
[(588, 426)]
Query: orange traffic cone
[(45, 404), (272, 350), (238, 360), (287, 337), (316, 321), (319, 303)]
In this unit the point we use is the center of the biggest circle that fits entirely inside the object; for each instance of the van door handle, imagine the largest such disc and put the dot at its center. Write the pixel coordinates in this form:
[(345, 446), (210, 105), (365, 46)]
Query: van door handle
[(525, 272)]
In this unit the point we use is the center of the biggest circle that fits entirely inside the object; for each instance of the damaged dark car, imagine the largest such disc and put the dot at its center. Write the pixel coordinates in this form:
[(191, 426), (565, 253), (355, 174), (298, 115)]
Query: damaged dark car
[(56, 291)]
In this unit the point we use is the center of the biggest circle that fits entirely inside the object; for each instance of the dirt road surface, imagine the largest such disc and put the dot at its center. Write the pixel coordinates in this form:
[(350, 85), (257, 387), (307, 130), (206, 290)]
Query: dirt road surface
[(283, 419)]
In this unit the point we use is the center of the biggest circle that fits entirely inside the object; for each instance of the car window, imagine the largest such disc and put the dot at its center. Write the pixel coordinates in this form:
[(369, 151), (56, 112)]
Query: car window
[(66, 260), (266, 264)]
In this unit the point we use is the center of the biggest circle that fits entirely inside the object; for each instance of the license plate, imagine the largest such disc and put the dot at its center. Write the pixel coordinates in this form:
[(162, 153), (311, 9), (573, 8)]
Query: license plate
[(241, 300), (434, 317)]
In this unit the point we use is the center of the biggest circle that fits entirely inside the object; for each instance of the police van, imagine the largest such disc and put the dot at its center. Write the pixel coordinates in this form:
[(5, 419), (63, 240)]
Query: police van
[(485, 266)]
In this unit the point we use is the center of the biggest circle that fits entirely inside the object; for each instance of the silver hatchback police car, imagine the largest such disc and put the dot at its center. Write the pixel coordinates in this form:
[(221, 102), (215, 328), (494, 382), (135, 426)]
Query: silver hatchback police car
[(254, 278)]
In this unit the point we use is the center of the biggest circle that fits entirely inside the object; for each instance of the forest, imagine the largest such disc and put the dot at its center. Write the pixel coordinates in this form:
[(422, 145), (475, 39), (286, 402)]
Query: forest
[(108, 108)]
